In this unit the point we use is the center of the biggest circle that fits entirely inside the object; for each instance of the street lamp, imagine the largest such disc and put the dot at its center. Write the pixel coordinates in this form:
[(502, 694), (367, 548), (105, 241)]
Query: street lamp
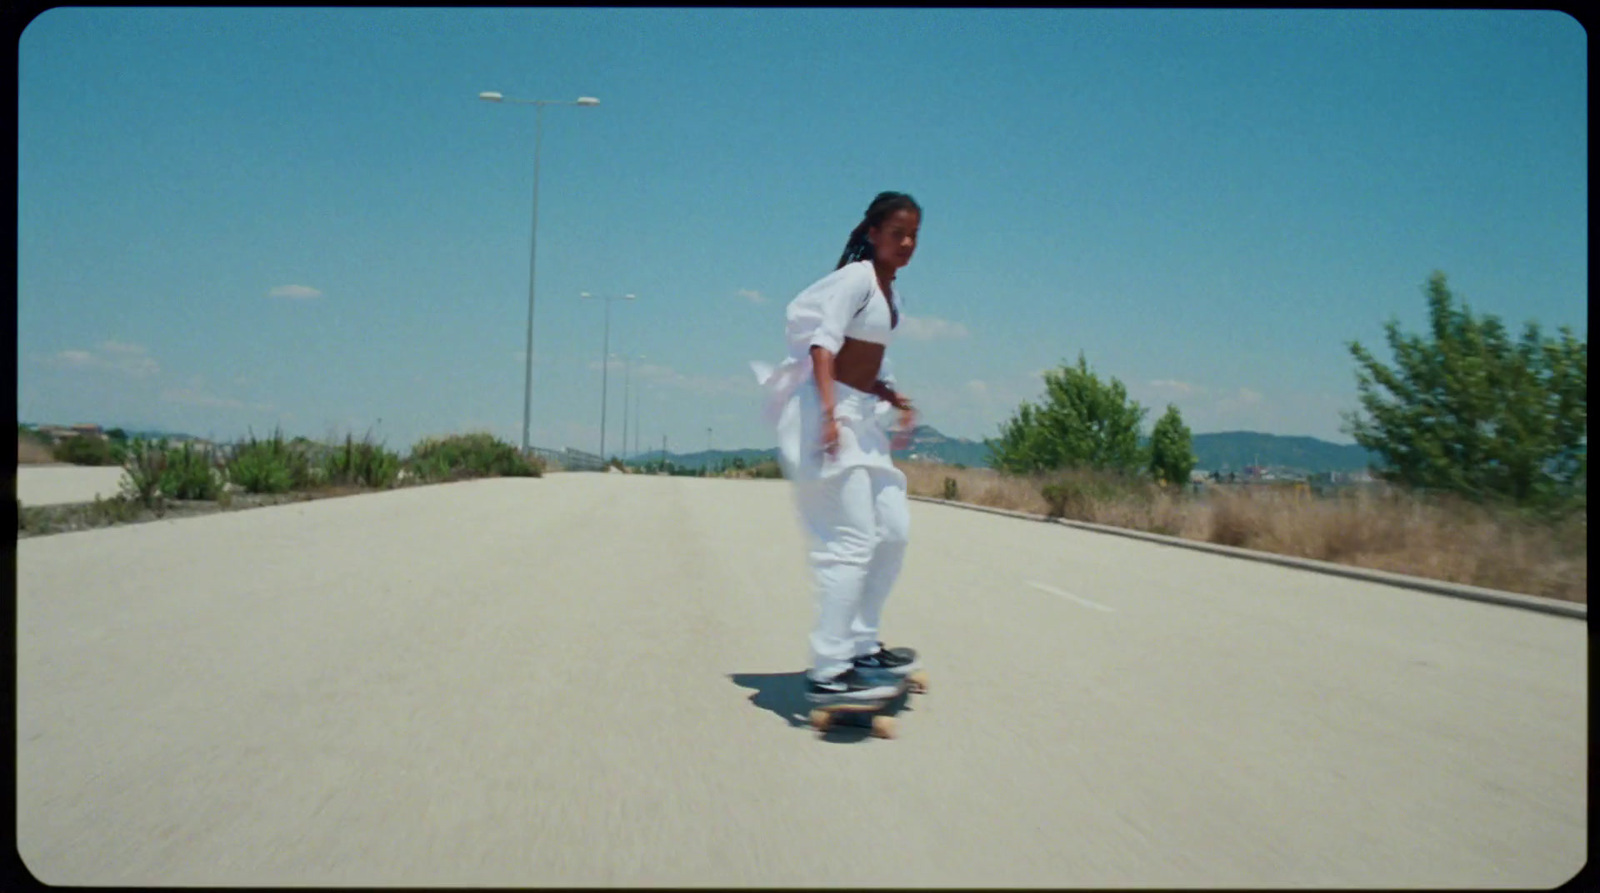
[(538, 139), (605, 363), (627, 375)]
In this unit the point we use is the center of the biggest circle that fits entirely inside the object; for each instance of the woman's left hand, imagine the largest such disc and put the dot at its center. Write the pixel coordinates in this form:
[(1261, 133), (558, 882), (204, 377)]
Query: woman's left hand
[(908, 420)]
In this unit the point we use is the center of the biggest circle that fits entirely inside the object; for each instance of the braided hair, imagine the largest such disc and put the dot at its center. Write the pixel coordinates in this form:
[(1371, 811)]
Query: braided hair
[(882, 207)]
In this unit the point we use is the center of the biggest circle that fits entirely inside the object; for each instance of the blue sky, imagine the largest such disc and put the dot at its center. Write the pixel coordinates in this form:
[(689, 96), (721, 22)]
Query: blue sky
[(305, 218)]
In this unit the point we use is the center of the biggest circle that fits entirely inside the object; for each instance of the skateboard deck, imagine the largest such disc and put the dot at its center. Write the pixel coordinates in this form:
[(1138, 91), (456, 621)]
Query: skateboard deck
[(827, 716)]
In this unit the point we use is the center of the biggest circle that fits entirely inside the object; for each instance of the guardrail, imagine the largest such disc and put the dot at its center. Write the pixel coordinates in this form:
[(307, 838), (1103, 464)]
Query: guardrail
[(570, 459)]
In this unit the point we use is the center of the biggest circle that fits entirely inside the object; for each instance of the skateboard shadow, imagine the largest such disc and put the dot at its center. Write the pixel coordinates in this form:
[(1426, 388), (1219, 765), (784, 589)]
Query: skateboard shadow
[(785, 695)]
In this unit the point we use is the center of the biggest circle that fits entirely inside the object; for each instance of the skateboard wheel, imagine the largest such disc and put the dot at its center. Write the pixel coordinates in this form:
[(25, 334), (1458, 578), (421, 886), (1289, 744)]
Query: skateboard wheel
[(820, 720), (883, 727), (917, 683)]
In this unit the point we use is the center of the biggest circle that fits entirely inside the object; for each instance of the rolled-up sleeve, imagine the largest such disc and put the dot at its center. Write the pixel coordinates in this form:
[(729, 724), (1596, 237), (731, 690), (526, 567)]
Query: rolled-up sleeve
[(837, 300)]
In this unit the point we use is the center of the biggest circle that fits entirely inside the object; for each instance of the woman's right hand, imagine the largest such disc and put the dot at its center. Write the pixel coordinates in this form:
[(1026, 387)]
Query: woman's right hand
[(830, 435)]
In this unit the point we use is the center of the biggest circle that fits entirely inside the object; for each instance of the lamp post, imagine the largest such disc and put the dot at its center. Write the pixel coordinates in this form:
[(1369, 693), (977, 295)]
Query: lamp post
[(605, 363), (533, 239), (627, 375)]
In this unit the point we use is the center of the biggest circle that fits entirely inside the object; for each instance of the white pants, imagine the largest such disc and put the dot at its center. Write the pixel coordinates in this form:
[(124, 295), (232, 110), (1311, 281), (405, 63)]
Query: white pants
[(854, 509)]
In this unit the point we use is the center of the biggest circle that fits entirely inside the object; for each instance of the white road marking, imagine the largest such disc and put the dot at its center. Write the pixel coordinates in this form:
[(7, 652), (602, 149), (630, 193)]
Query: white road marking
[(1067, 595)]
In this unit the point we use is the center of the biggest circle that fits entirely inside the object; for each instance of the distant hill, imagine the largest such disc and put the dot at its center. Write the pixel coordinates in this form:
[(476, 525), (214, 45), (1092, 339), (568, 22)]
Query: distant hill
[(1225, 451), (1228, 450), (928, 443), (1233, 450)]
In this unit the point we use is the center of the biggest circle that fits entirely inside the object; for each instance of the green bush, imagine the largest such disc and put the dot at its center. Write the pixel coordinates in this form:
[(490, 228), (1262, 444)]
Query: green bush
[(470, 456), (144, 463), (82, 450), (189, 474), (157, 471), (270, 466), (365, 464), (1081, 422)]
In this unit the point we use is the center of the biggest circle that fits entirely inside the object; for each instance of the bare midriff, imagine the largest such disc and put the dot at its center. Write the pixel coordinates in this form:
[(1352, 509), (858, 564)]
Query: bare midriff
[(857, 363)]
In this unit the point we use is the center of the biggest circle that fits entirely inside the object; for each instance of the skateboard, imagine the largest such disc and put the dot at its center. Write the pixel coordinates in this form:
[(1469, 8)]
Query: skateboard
[(828, 716)]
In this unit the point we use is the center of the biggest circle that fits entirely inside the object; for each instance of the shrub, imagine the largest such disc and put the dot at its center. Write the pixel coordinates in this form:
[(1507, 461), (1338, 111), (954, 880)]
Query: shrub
[(270, 466), (365, 464), (469, 456), (144, 463), (82, 450), (189, 475), (157, 472)]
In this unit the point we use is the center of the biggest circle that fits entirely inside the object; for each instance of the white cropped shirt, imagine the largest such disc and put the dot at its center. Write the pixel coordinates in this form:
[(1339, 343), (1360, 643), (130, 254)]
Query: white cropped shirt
[(845, 303)]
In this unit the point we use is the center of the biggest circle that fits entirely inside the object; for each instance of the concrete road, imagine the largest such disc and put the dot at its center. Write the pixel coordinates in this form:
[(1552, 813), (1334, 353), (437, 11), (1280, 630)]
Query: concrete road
[(61, 484), (592, 680)]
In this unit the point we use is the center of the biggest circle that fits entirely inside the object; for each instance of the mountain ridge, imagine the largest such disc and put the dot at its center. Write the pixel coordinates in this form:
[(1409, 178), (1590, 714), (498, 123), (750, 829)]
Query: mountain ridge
[(1216, 451), (1219, 451)]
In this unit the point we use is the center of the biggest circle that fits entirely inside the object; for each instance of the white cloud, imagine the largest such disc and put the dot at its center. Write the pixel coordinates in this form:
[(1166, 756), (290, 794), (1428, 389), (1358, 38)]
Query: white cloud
[(753, 296), (930, 328), (131, 360), (1182, 387), (295, 292)]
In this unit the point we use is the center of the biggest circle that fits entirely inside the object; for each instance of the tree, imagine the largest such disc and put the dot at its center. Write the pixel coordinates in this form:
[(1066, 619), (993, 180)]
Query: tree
[(1082, 422), (1172, 455), (1469, 412)]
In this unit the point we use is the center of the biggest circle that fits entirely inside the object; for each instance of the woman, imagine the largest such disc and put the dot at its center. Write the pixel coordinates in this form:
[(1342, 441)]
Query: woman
[(824, 401)]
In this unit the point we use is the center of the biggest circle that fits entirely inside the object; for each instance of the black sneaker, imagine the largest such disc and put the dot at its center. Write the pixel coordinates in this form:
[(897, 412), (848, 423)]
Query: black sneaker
[(899, 661), (854, 684)]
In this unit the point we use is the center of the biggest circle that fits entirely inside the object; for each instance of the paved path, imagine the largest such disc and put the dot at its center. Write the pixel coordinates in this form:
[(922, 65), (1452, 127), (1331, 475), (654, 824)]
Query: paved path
[(591, 680), (60, 484)]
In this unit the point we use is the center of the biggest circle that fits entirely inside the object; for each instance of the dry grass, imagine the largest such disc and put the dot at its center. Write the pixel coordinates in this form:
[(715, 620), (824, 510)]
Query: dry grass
[(978, 486), (1441, 539), (33, 451)]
